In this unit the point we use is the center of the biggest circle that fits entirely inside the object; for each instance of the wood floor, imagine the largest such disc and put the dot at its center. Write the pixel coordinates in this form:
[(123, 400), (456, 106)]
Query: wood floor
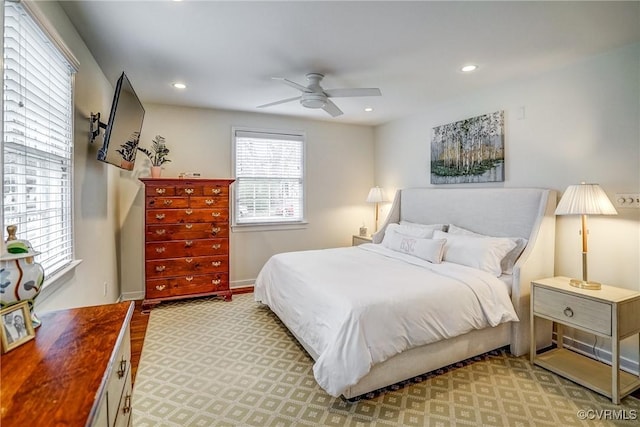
[(139, 323)]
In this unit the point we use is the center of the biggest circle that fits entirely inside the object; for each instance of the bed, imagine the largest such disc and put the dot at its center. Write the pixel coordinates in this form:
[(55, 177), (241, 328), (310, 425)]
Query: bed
[(448, 301)]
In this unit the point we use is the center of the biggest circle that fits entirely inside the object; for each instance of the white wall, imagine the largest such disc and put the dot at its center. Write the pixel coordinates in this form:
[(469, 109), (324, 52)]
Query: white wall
[(339, 173), (581, 123)]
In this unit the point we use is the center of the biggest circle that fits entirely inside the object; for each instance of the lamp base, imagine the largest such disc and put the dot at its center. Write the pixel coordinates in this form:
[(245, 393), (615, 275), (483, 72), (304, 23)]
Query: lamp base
[(582, 284)]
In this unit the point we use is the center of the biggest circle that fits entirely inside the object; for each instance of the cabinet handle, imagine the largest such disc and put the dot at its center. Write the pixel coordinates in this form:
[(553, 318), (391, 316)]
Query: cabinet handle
[(209, 202), (215, 230), (161, 190), (188, 278), (160, 287), (188, 211), (160, 268), (216, 191), (217, 246), (123, 368), (188, 243), (188, 226), (160, 249), (216, 263), (215, 214), (127, 404), (188, 190), (167, 202), (189, 260), (215, 281), (159, 216), (160, 232), (568, 312)]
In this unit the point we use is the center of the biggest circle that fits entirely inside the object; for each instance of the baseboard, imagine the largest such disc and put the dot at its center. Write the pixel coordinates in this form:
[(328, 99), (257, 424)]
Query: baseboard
[(598, 353), (241, 283), (242, 290), (131, 296)]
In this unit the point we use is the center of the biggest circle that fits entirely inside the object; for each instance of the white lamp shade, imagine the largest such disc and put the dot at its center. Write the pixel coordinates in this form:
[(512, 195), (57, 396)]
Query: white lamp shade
[(585, 199), (376, 195)]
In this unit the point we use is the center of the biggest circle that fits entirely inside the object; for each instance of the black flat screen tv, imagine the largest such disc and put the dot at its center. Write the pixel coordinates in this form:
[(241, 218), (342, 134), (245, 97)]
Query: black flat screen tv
[(122, 132)]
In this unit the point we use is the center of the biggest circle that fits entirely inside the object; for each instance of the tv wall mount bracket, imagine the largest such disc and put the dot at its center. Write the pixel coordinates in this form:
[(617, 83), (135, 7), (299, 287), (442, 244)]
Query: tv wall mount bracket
[(94, 126)]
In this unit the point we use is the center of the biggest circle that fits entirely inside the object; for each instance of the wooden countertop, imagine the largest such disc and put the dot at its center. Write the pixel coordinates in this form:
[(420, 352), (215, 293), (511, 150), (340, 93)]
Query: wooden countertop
[(58, 377)]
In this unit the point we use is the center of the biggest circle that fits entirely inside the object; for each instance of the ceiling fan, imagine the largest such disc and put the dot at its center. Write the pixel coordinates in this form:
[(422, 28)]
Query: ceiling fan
[(314, 96)]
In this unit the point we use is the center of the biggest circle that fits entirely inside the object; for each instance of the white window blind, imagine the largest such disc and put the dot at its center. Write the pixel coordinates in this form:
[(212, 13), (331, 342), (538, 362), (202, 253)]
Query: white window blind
[(37, 143), (269, 172)]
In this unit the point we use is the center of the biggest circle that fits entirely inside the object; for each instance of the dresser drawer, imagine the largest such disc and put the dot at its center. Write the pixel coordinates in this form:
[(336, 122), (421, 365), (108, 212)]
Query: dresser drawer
[(573, 310), (188, 190), (221, 191), (209, 202), (185, 266), (167, 202), (159, 190), (186, 248), (164, 232), (174, 286), (187, 215), (121, 371)]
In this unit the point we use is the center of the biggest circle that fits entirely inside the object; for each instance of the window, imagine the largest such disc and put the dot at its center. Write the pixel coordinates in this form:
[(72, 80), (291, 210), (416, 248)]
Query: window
[(269, 172), (37, 136)]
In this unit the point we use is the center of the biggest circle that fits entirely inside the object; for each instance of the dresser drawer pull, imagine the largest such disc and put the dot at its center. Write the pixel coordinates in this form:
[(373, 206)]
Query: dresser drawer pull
[(160, 249), (160, 268), (215, 214), (209, 202), (189, 260), (216, 263), (188, 278), (215, 230), (216, 191), (216, 246), (160, 232), (188, 243), (188, 190), (167, 202), (160, 287), (215, 281), (123, 368), (568, 312), (188, 211), (188, 226), (127, 404), (161, 190), (159, 216)]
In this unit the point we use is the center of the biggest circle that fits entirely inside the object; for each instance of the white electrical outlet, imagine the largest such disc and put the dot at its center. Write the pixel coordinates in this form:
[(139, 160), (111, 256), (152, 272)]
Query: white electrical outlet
[(627, 200)]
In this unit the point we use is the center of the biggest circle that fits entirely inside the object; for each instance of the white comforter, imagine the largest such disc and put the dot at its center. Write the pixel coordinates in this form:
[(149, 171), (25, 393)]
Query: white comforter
[(359, 306)]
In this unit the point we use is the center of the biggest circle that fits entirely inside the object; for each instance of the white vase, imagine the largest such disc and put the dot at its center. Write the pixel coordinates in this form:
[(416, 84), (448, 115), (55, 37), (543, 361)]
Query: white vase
[(155, 171)]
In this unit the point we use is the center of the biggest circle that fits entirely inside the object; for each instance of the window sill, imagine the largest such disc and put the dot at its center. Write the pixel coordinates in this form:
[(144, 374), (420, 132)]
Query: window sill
[(269, 226), (51, 284)]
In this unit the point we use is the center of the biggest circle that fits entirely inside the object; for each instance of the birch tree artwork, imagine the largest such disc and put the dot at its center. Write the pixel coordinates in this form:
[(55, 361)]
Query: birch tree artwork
[(471, 150)]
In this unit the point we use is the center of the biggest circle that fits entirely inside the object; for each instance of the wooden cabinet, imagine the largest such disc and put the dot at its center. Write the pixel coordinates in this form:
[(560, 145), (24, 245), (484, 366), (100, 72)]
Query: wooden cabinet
[(610, 312), (186, 239), (76, 372)]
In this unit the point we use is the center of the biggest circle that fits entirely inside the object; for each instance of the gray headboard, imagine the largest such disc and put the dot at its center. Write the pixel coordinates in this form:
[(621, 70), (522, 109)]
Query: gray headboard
[(500, 212)]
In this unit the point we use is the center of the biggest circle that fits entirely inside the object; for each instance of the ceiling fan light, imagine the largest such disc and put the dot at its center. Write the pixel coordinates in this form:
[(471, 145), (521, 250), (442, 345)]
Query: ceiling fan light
[(313, 100), (469, 68)]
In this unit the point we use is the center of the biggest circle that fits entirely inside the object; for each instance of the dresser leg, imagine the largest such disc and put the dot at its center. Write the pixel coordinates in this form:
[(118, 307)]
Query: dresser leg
[(227, 296)]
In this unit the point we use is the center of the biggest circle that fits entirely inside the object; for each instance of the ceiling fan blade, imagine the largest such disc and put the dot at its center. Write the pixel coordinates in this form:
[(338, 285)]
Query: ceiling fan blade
[(332, 109), (282, 101), (293, 84), (336, 93)]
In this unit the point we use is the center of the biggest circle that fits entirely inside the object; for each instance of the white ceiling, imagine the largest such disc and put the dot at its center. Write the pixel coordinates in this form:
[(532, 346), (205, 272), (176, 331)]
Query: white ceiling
[(227, 51)]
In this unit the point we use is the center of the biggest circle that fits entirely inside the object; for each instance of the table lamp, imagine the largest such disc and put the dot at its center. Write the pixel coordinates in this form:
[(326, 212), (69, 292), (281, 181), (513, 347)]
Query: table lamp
[(376, 195), (585, 199)]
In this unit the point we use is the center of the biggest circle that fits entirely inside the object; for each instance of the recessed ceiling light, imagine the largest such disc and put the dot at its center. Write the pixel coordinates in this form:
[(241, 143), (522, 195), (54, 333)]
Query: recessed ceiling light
[(179, 85), (368, 109), (469, 68)]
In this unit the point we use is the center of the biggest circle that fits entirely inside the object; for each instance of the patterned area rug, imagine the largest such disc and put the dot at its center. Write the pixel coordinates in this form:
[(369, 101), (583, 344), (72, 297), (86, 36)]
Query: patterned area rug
[(207, 362)]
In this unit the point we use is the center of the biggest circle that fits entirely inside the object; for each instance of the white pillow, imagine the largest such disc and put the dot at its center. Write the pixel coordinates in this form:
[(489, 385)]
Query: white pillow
[(482, 253), (510, 259), (422, 231), (428, 249)]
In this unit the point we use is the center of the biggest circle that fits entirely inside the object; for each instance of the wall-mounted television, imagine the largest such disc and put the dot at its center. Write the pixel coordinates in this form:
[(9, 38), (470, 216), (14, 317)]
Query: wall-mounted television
[(122, 132)]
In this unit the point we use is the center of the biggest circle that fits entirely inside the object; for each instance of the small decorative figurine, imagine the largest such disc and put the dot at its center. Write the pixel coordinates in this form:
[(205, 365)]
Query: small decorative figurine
[(21, 277)]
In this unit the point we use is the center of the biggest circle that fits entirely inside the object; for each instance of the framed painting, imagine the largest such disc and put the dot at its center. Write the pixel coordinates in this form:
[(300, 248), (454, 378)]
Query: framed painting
[(470, 150)]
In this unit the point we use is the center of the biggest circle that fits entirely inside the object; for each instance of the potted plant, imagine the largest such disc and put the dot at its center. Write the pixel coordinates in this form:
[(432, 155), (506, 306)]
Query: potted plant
[(157, 155), (128, 151)]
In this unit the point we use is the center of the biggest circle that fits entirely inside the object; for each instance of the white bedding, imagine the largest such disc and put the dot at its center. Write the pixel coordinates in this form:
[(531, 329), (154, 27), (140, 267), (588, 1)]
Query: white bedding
[(358, 306)]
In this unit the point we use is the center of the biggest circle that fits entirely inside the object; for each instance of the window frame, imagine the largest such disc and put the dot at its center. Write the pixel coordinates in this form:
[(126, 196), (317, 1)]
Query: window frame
[(62, 274), (264, 225)]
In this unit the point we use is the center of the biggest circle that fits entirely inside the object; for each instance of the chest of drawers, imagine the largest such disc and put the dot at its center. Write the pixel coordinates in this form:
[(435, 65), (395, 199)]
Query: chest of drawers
[(186, 239)]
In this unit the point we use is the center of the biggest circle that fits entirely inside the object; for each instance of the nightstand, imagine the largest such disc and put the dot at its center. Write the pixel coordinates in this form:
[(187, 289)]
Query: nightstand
[(358, 240), (611, 312)]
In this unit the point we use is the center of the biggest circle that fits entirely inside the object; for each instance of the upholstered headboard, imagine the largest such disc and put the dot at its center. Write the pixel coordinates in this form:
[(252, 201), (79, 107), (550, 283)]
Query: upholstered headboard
[(500, 212)]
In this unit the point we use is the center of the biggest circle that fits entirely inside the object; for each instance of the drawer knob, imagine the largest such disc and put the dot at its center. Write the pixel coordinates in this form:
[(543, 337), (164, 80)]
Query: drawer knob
[(189, 260), (160, 268), (188, 278), (216, 263), (216, 246), (160, 249), (159, 216), (188, 226), (126, 408), (160, 232), (188, 211), (216, 281), (216, 191), (167, 201), (160, 190), (160, 287), (188, 243), (123, 368), (568, 312), (189, 190), (215, 230), (215, 214), (209, 202)]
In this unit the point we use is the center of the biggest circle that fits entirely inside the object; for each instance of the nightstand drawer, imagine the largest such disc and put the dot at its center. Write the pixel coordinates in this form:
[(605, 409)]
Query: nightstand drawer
[(573, 310)]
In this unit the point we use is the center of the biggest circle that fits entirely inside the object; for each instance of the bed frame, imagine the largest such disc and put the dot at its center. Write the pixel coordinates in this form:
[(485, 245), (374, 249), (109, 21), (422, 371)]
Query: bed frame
[(500, 212)]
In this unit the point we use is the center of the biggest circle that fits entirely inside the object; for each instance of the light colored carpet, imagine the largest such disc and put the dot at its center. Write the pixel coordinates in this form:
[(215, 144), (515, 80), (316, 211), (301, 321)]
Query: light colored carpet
[(207, 362)]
